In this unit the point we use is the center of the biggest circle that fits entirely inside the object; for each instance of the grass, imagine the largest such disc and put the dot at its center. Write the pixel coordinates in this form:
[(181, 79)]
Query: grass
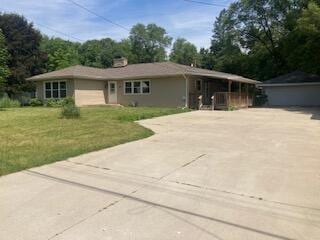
[(32, 137)]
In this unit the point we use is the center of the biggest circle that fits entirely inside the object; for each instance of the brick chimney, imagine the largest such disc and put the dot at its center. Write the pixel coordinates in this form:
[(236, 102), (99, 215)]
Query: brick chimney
[(120, 62)]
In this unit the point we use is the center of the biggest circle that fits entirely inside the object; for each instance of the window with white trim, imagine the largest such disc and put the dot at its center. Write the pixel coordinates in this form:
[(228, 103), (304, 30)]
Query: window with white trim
[(137, 87), (55, 89)]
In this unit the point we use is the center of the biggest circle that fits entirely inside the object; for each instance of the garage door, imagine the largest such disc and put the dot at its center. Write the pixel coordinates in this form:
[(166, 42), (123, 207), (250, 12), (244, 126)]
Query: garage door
[(89, 92), (293, 95)]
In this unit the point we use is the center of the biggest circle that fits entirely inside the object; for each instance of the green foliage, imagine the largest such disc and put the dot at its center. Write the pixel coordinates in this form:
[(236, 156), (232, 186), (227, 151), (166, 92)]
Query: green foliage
[(145, 44), (43, 138), (309, 22), (206, 58), (148, 43), (136, 115), (4, 57), (99, 53), (184, 52), (232, 108), (70, 110), (54, 103), (23, 44), (35, 102), (68, 100), (301, 46), (61, 53), (263, 39), (58, 103), (6, 102)]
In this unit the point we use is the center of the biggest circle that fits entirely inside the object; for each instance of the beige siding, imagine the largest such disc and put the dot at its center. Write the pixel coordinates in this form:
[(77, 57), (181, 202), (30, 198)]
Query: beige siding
[(40, 88), (165, 92), (89, 92)]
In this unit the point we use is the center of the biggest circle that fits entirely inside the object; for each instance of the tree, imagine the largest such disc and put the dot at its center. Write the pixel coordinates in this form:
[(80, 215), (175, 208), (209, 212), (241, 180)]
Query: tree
[(263, 39), (23, 44), (301, 46), (98, 53), (206, 58), (149, 43), (184, 52), (226, 54), (124, 48), (4, 69), (61, 53)]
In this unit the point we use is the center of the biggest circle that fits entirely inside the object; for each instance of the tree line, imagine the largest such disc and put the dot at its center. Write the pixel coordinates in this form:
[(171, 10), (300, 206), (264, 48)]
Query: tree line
[(266, 38), (257, 39)]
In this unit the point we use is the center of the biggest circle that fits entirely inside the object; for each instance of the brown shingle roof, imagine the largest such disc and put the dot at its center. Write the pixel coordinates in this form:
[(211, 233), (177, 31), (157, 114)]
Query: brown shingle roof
[(143, 70)]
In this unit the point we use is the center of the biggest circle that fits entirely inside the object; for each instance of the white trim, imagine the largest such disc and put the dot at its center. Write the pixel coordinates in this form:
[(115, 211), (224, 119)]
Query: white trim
[(59, 89), (132, 87), (288, 84)]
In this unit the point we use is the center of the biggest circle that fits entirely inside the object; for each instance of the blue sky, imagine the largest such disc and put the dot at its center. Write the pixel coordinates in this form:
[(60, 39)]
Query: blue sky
[(180, 18)]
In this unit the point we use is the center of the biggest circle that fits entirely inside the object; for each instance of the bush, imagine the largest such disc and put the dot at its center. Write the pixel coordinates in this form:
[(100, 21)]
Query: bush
[(35, 102), (232, 108), (70, 111), (6, 102), (68, 100), (55, 103)]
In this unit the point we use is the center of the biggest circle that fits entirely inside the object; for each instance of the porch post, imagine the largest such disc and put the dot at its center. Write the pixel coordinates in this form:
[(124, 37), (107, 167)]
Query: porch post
[(229, 93), (247, 94), (240, 94)]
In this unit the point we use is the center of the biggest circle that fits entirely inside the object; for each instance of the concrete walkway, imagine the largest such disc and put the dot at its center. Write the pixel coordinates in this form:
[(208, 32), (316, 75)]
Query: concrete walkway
[(249, 174)]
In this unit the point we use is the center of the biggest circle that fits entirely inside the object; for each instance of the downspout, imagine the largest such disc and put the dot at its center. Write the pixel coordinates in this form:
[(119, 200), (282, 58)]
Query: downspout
[(187, 91)]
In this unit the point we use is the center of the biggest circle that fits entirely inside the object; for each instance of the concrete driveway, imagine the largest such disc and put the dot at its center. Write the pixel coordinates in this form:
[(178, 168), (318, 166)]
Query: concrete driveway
[(249, 174)]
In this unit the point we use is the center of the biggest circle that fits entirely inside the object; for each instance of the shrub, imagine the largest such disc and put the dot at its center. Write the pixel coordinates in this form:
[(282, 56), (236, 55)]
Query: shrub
[(68, 100), (55, 103), (6, 102), (232, 108), (70, 111), (35, 102)]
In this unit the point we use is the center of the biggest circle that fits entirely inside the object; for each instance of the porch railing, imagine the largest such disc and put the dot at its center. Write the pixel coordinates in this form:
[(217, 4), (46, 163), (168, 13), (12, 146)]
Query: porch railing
[(224, 100)]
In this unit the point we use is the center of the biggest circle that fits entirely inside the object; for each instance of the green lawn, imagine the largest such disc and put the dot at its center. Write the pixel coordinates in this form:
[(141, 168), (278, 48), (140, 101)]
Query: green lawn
[(35, 136)]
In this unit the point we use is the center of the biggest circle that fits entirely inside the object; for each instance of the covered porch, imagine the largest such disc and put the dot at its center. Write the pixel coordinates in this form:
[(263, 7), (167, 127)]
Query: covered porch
[(220, 94)]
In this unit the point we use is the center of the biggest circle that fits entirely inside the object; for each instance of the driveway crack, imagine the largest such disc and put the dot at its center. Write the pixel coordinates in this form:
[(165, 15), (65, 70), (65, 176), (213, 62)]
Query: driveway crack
[(184, 165)]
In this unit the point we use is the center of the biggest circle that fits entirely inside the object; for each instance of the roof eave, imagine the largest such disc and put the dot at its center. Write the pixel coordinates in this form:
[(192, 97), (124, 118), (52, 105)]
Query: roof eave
[(39, 78), (235, 78), (288, 84)]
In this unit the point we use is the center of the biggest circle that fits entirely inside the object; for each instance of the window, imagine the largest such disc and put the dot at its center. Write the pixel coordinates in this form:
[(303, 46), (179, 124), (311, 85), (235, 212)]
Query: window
[(137, 87), (112, 88), (56, 89), (145, 86), (48, 89), (128, 87)]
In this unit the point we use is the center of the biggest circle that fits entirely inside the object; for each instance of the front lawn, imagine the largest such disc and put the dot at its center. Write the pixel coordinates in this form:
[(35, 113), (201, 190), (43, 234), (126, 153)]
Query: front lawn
[(32, 137)]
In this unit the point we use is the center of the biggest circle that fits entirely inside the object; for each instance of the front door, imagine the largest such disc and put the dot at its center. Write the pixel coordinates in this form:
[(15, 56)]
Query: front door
[(112, 92)]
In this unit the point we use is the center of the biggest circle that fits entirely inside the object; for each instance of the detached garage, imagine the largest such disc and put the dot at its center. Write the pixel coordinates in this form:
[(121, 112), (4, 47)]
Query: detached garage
[(294, 89)]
